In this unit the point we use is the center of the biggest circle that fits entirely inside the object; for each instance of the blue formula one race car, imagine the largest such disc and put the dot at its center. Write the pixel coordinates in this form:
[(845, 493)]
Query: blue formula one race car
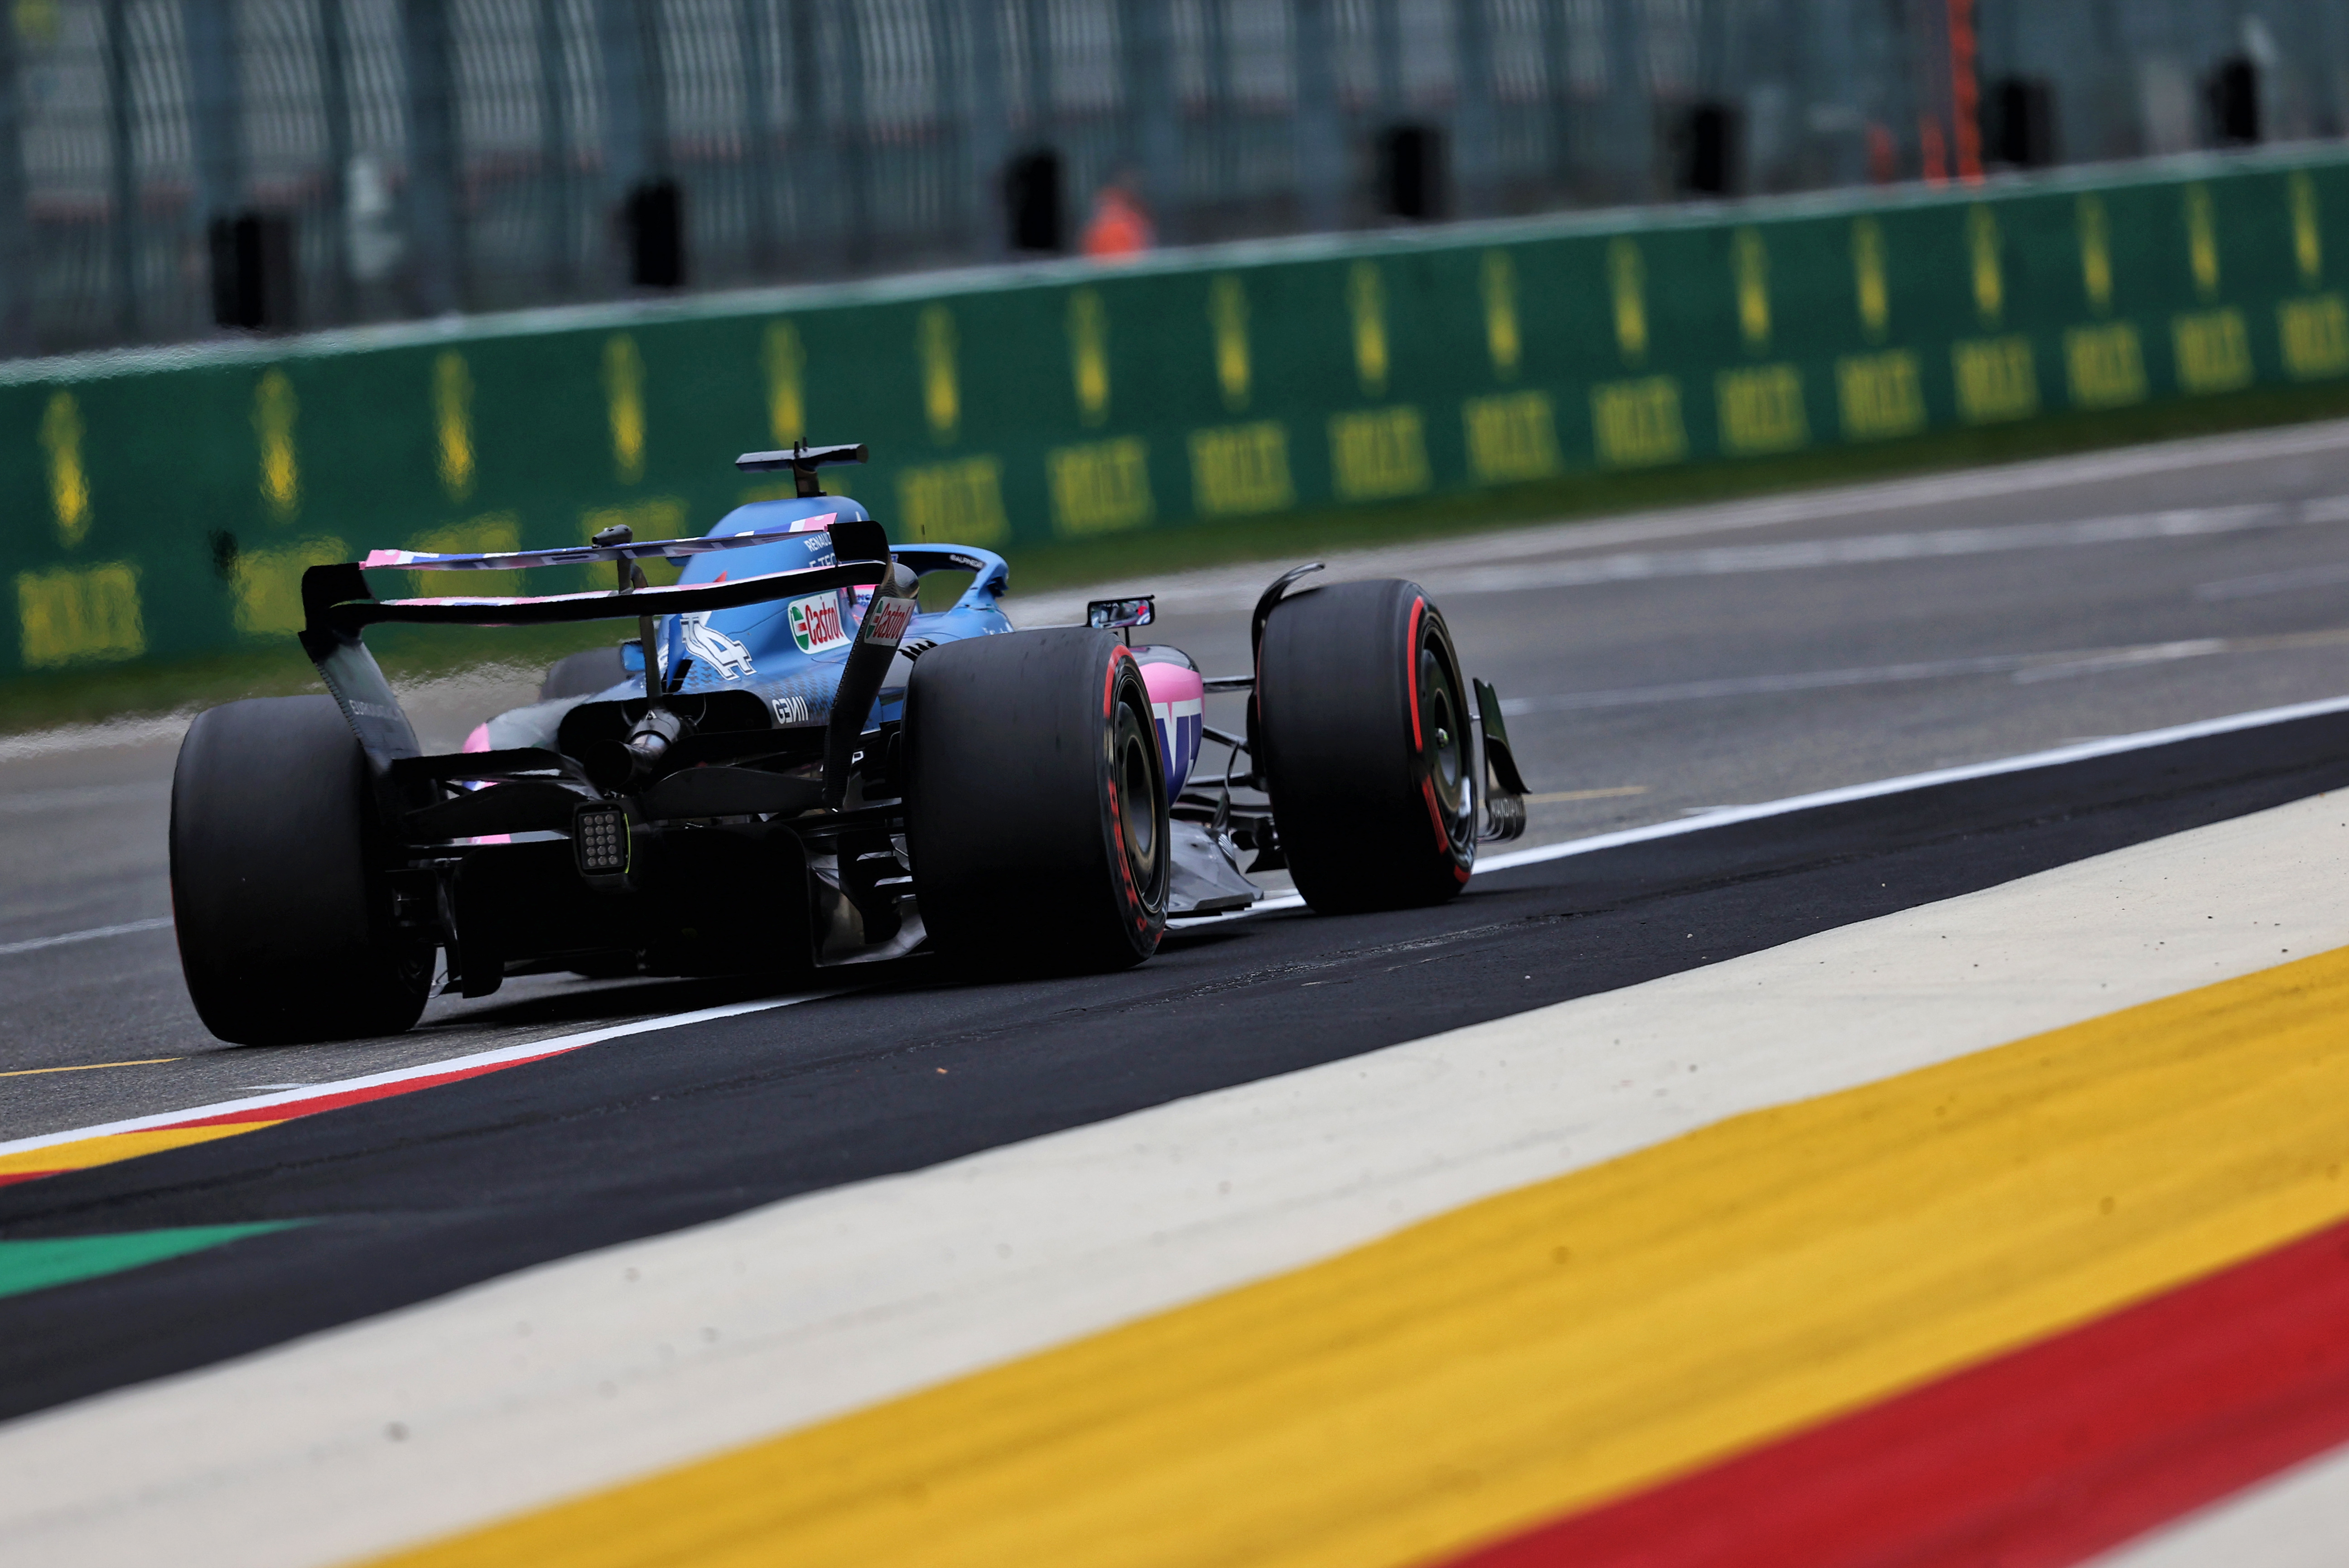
[(794, 766)]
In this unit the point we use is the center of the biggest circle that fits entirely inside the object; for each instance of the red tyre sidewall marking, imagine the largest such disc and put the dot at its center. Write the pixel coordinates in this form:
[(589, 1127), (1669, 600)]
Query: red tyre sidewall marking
[(1134, 900), (1418, 745), (1411, 674)]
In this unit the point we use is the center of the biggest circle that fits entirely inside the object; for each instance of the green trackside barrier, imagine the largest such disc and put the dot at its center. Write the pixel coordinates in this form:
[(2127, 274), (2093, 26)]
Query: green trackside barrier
[(165, 502)]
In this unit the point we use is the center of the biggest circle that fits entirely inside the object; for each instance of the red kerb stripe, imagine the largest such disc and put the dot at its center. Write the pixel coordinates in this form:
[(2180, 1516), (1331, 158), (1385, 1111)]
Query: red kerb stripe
[(2043, 1456), (293, 1108)]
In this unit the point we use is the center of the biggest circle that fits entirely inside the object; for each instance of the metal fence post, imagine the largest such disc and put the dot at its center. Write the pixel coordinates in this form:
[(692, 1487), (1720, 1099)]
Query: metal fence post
[(334, 92), (988, 143), (1386, 56), (16, 218), (620, 44), (209, 34), (122, 176), (1836, 126), (559, 238), (1556, 83), (636, 120), (1148, 27), (1630, 109), (1471, 128), (757, 136), (432, 214), (948, 151), (856, 173), (816, 206), (1320, 151)]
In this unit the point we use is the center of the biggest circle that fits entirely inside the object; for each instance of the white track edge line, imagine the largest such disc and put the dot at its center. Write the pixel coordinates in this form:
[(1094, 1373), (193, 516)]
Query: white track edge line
[(2081, 751), (553, 1045), (1727, 816), (129, 927)]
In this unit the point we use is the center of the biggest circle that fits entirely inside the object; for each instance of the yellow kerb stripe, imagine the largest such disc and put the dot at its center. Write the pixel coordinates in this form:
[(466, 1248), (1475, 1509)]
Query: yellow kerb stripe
[(89, 1152), (1556, 1347)]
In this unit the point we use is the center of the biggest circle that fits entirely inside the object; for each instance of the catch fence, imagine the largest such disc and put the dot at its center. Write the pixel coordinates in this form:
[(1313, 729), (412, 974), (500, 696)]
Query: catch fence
[(175, 169)]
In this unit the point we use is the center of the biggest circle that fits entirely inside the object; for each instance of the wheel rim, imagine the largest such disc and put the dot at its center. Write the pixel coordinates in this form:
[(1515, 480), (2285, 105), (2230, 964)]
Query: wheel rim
[(1137, 798), (1444, 734)]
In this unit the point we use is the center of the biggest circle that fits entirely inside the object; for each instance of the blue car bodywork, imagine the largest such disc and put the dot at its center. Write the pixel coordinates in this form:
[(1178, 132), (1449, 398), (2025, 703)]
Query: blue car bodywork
[(789, 652)]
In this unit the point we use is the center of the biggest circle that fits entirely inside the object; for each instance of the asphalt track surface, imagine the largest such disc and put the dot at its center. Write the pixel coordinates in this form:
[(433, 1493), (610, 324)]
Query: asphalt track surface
[(405, 1199), (1654, 667)]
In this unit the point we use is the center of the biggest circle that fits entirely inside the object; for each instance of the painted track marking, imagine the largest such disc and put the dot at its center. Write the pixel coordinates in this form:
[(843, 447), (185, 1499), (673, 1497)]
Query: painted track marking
[(128, 928), (1556, 1346), (79, 1149), (90, 1066)]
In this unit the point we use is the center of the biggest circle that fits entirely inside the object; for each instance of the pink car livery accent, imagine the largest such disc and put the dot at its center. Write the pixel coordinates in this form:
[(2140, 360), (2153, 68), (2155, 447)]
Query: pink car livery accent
[(1178, 703)]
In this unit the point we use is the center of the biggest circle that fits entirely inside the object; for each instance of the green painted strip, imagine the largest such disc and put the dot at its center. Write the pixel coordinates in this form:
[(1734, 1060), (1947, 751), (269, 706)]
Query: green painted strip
[(62, 1261)]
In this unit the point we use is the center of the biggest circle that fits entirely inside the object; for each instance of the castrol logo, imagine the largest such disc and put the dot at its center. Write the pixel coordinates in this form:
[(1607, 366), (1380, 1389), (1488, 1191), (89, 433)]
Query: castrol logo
[(885, 622), (815, 623)]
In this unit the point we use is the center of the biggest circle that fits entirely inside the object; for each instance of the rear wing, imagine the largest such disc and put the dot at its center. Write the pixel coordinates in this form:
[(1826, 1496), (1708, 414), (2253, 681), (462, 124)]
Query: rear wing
[(337, 602), (338, 605), (587, 555)]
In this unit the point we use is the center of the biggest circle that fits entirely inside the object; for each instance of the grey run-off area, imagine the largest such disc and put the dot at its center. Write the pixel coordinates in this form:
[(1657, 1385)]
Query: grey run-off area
[(1651, 666)]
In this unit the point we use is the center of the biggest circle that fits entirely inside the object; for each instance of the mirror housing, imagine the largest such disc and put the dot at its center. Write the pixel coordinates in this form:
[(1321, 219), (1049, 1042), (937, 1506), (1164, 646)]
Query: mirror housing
[(1114, 615)]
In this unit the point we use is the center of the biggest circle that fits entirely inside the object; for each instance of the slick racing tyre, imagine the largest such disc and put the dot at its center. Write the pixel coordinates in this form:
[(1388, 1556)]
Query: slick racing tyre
[(583, 674), (1363, 728), (1036, 802), (284, 926)]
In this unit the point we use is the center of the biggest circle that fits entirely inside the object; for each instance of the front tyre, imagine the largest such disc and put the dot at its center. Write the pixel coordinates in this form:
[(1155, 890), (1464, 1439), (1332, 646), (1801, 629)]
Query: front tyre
[(1036, 802), (284, 926), (1361, 723)]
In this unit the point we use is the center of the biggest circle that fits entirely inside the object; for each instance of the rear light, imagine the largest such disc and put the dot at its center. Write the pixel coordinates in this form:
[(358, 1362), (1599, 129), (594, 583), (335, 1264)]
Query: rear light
[(599, 840)]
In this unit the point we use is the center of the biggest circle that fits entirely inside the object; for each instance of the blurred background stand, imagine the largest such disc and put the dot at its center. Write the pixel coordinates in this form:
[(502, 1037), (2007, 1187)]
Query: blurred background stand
[(178, 169)]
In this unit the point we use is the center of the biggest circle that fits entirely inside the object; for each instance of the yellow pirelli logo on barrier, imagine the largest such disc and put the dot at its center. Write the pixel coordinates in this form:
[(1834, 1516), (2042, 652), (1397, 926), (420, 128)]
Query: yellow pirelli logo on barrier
[(1510, 437), (1101, 487), (1378, 452), (1237, 470), (453, 423), (1762, 409), (2105, 365), (1635, 424), (61, 434), (266, 585), (274, 410), (1997, 378), (958, 502), (67, 615), (624, 406), (2316, 336), (1880, 395), (2214, 352)]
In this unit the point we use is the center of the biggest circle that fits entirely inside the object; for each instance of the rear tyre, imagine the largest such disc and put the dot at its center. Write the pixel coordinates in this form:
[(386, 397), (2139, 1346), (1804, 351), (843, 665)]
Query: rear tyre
[(583, 674), (1363, 728), (284, 926), (1036, 802)]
